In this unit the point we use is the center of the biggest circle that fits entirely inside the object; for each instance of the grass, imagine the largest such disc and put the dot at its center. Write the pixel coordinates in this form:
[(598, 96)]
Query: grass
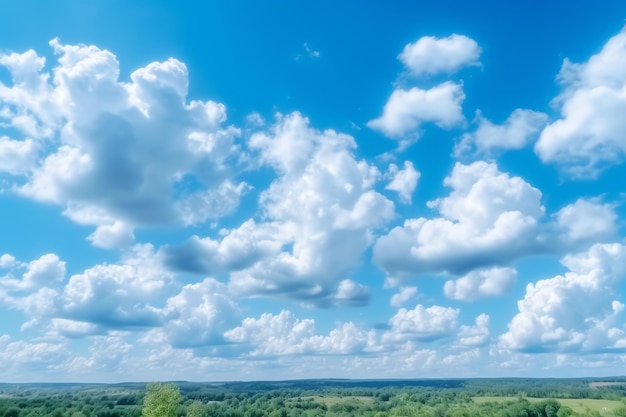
[(578, 405)]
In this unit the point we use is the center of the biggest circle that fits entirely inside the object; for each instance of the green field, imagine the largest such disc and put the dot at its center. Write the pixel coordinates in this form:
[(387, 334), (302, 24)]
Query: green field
[(578, 405)]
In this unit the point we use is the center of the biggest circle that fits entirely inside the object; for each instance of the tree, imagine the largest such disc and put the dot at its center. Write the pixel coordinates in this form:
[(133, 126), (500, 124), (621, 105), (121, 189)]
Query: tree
[(195, 409), (161, 400)]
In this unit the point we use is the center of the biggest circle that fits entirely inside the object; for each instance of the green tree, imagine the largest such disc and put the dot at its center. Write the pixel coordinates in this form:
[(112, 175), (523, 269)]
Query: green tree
[(161, 400), (195, 409), (12, 412)]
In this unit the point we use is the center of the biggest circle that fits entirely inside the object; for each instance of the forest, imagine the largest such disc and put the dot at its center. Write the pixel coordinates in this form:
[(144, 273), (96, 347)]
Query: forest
[(502, 397)]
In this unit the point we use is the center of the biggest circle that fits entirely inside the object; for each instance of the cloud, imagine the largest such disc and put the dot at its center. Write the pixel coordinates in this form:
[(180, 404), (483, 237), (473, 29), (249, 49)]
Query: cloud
[(481, 283), (284, 334), (489, 218), (17, 157), (517, 131), (118, 154), (476, 335), (199, 315), (19, 356), (318, 218), (309, 53), (586, 221), (71, 328), (574, 312), (407, 110), (351, 293), (110, 236), (589, 136), (421, 324), (430, 55), (404, 295), (46, 270), (102, 298), (7, 261), (403, 181)]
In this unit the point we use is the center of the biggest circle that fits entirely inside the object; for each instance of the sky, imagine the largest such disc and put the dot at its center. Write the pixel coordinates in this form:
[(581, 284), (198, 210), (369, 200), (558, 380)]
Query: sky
[(283, 190)]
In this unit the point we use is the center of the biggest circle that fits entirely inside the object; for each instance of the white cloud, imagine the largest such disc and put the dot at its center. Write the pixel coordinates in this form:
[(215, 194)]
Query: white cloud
[(319, 216), (468, 357), (137, 153), (107, 296), (7, 260), (47, 270), (403, 181), (199, 315), (284, 334), (590, 136), (521, 127), (352, 293), (430, 55), (407, 110), (116, 235), (404, 295), (72, 328), (255, 119), (421, 324), (17, 357), (476, 335), (211, 204), (576, 311), (489, 218), (586, 221), (481, 283), (17, 157)]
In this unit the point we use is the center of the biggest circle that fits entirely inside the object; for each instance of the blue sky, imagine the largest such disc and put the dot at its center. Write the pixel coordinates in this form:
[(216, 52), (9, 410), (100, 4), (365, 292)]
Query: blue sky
[(304, 189)]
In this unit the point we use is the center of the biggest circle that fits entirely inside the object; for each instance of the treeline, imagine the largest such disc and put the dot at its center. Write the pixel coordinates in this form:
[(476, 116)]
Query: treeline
[(297, 398)]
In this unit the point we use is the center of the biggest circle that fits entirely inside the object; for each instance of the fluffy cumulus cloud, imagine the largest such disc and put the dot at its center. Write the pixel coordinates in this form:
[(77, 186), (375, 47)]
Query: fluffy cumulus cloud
[(421, 324), (117, 154), (590, 134), (284, 334), (402, 296), (102, 298), (17, 156), (199, 315), (517, 131), (46, 270), (318, 217), (19, 356), (481, 283), (430, 55), (403, 181), (407, 110), (489, 218), (574, 312), (586, 221), (476, 335)]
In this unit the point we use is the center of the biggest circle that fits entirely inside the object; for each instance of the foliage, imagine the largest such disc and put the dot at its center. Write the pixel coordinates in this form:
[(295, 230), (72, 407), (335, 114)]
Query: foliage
[(161, 400), (323, 398)]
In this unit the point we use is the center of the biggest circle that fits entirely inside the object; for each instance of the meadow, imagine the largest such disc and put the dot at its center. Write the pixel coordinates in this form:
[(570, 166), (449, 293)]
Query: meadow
[(578, 405)]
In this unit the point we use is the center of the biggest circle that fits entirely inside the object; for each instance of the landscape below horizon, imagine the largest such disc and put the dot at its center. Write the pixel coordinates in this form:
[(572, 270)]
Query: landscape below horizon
[(286, 190), (480, 397)]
